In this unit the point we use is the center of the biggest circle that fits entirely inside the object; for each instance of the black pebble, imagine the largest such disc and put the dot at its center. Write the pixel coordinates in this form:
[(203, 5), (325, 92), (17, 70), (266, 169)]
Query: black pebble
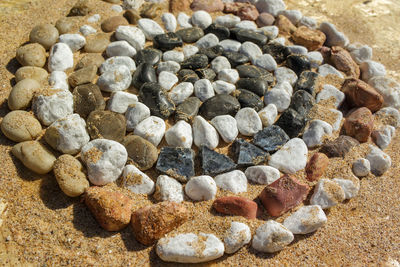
[(190, 35), (270, 138), (308, 81), (213, 163), (278, 51), (148, 55), (220, 31), (177, 162), (167, 41), (206, 74), (251, 71), (302, 102), (236, 58), (291, 122), (222, 104), (186, 75), (144, 73), (197, 61), (156, 99), (249, 99), (247, 154), (188, 109), (256, 85), (212, 52), (245, 35), (298, 63)]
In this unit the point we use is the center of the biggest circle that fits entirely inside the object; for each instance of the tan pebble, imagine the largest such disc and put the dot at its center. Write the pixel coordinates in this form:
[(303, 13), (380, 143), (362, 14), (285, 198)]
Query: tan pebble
[(34, 156), (82, 76), (132, 15), (31, 55), (30, 72), (176, 6), (111, 24), (343, 61), (142, 152), (97, 43), (87, 97), (44, 34), (20, 126), (284, 25), (309, 38), (89, 60), (67, 25), (22, 93)]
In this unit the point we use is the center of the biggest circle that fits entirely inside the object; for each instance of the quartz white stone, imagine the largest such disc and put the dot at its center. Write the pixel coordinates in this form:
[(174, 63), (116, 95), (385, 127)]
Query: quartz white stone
[(87, 30), (390, 115), (333, 36), (118, 79), (222, 87), (271, 32), (383, 137), (280, 98), (370, 69), (119, 101), (173, 55), (297, 49), (361, 167), (133, 35), (117, 8), (349, 187), (203, 89), (230, 45), (136, 181), (360, 53), (270, 6), (104, 159), (292, 157), (280, 40), (184, 20), (283, 74), (284, 86), (237, 236), (51, 107), (169, 21), (61, 57), (73, 40), (389, 89), (379, 160), (226, 126), (94, 18), (168, 189), (228, 21), (271, 237), (228, 75), (251, 50), (170, 66), (220, 63), (328, 92), (268, 115), (135, 114), (152, 129), (327, 69), (246, 24), (315, 131), (113, 63), (167, 80), (315, 58), (201, 188), (266, 61), (201, 19), (204, 133), (58, 80), (120, 48), (262, 174), (190, 50), (132, 4), (208, 40), (234, 181), (327, 193), (248, 121), (308, 22), (179, 135), (293, 15), (306, 220), (150, 28), (190, 248), (181, 92)]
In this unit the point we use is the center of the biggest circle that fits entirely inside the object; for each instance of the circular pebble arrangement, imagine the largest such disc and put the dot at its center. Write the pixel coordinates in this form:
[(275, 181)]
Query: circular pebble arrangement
[(268, 83)]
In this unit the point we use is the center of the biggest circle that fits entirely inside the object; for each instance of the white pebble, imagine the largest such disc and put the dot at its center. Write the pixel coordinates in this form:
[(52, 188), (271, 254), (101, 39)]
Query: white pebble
[(315, 58), (119, 101), (379, 160), (169, 21), (306, 220), (203, 89), (201, 19), (113, 63), (181, 92), (184, 20), (204, 133), (152, 129), (327, 193), (361, 167), (226, 126), (327, 69), (284, 86), (283, 74), (228, 75), (270, 6), (208, 40), (132, 4), (61, 57), (251, 50), (136, 181), (133, 35), (292, 157), (170, 66), (268, 115), (150, 28), (266, 61), (222, 87), (73, 40), (104, 160), (361, 53), (190, 50), (173, 55), (315, 132), (248, 121), (228, 21), (271, 32), (383, 137), (234, 181), (262, 174), (201, 188), (135, 114), (87, 30), (333, 36), (246, 24), (349, 188), (271, 237), (308, 22), (118, 79), (389, 89), (220, 63), (117, 8), (94, 18), (370, 69), (58, 80), (328, 92), (230, 45), (169, 189), (120, 48), (179, 135), (280, 40), (297, 49), (167, 80), (280, 98), (237, 236), (293, 15)]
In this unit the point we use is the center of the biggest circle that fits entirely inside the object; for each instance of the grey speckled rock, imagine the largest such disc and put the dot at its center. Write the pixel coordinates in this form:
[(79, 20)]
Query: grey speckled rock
[(271, 138), (247, 154), (176, 162), (213, 163)]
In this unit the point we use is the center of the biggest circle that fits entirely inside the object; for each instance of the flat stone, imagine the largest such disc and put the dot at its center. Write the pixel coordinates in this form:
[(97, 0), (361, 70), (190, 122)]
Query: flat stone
[(272, 237), (148, 55), (237, 236), (136, 181), (188, 109), (34, 156), (219, 105), (247, 154), (316, 166), (156, 99), (236, 206), (201, 188), (176, 162), (213, 163), (339, 147), (306, 220), (245, 35), (87, 98), (271, 138), (106, 124), (142, 152)]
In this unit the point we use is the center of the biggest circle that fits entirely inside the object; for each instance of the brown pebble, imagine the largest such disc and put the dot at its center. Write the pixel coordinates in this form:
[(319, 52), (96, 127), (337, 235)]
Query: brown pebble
[(152, 222), (132, 15), (339, 147), (81, 8), (82, 76), (106, 124), (112, 210), (316, 166), (265, 19), (150, 10), (31, 55), (67, 25), (207, 5), (342, 60), (244, 11), (143, 153), (87, 98), (361, 94), (111, 24), (176, 6), (309, 38), (97, 43), (90, 59), (359, 124), (44, 34), (237, 206), (285, 25)]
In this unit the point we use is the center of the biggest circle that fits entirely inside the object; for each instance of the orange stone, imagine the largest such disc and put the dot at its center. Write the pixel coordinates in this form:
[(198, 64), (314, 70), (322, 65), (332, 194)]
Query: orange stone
[(309, 38), (237, 206), (361, 94), (316, 166), (343, 61), (359, 124)]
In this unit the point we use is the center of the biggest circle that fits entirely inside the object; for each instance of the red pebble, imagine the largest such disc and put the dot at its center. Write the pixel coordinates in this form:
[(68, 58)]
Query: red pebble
[(237, 206), (359, 124), (316, 166)]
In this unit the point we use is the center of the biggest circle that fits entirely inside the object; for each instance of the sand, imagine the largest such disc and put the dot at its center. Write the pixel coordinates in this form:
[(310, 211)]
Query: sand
[(42, 226)]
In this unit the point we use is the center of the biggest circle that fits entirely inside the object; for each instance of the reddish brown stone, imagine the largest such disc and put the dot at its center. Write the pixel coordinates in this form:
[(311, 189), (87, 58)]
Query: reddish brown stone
[(285, 25), (152, 222), (112, 210), (316, 166), (176, 6), (361, 94), (265, 19), (359, 124), (283, 195), (237, 206), (244, 11), (309, 38), (339, 147), (343, 61), (111, 24), (207, 5)]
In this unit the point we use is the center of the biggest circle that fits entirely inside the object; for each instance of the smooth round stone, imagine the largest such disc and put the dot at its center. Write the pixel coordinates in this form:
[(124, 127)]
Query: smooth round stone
[(236, 58), (59, 80), (248, 35), (222, 87), (204, 134), (34, 156), (247, 25), (113, 64), (179, 135), (262, 174), (187, 75), (132, 15), (104, 159), (236, 236), (60, 58), (169, 21), (226, 126), (183, 20), (234, 181), (148, 55), (31, 55), (170, 66), (315, 58), (168, 189), (167, 41), (66, 25), (74, 41), (133, 35), (255, 85), (283, 74), (44, 34), (203, 89), (280, 98), (266, 61), (298, 63), (167, 80), (30, 72), (91, 59), (70, 176), (198, 61), (173, 55), (151, 129), (190, 50), (208, 40), (265, 19), (87, 30), (250, 71), (135, 114), (87, 98), (22, 93), (181, 92), (144, 73), (200, 188), (119, 101), (251, 50), (118, 79), (142, 152), (220, 63), (67, 135), (228, 21), (157, 100), (249, 99), (201, 19), (292, 157), (112, 23), (136, 181), (120, 48), (208, 74), (268, 115), (188, 109), (248, 121), (150, 28), (272, 237), (228, 75), (20, 126), (106, 124), (220, 31), (219, 105), (97, 43)]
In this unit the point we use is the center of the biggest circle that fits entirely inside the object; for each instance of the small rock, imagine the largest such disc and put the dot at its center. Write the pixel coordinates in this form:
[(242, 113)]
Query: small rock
[(34, 156), (150, 28), (97, 43), (389, 115), (291, 122), (220, 31), (262, 174), (133, 35), (228, 75), (315, 132), (360, 94), (361, 53), (20, 126), (251, 50), (279, 98), (338, 116), (342, 60), (201, 19), (236, 206), (311, 39), (120, 48), (256, 85), (61, 57), (187, 75), (176, 162), (213, 163), (230, 45), (272, 33), (183, 20), (201, 188), (203, 89), (198, 61), (333, 36), (87, 30), (265, 19), (226, 126), (278, 52), (208, 40), (298, 63), (359, 124), (370, 69), (234, 181), (272, 237), (268, 115), (179, 135), (272, 7), (308, 81), (31, 72), (380, 161), (90, 60), (249, 99), (237, 236), (87, 98), (22, 93), (152, 129), (81, 8), (285, 26), (220, 63), (383, 136), (208, 74), (339, 147), (292, 157), (168, 189), (120, 101), (188, 109), (330, 92), (236, 58), (156, 99), (74, 41), (44, 34), (315, 58), (316, 166), (112, 23), (204, 133), (297, 49), (190, 50), (135, 114), (270, 138), (221, 104), (389, 89), (169, 21), (293, 15), (136, 181), (173, 55), (143, 153), (244, 11), (181, 92), (327, 193), (361, 167), (247, 154), (82, 76), (283, 74), (306, 220), (66, 25), (349, 187), (248, 121), (106, 124), (151, 56), (114, 64)]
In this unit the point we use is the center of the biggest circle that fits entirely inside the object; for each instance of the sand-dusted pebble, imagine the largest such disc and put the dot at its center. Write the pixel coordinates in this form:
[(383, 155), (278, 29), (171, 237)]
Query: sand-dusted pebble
[(150, 28), (90, 59), (226, 126), (106, 124), (34, 156), (268, 115), (339, 147), (22, 93), (315, 132), (118, 79), (59, 80), (120, 48), (327, 69), (81, 8), (73, 40), (31, 55), (361, 167), (119, 101), (168, 189), (61, 57), (280, 98), (151, 129), (133, 35), (183, 20), (170, 66), (350, 187), (306, 220), (190, 50), (338, 117), (327, 193), (66, 25), (111, 209), (112, 23), (82, 76), (383, 136), (329, 92), (167, 80), (104, 159), (70, 175), (200, 188), (370, 69), (204, 133), (136, 181), (132, 4), (97, 43), (20, 126), (237, 236), (379, 160), (389, 89), (234, 181), (179, 135), (203, 89), (143, 153), (220, 63), (68, 134), (389, 115), (208, 40), (113, 64), (360, 53), (266, 61), (230, 45), (316, 166), (333, 36), (181, 92), (248, 121), (31, 72), (44, 34), (201, 19), (87, 30), (169, 21), (50, 106), (262, 174), (87, 98), (271, 237), (292, 157), (190, 248)]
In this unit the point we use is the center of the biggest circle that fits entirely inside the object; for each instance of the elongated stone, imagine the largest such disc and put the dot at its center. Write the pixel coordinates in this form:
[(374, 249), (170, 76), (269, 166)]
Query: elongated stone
[(249, 99), (219, 105), (167, 41)]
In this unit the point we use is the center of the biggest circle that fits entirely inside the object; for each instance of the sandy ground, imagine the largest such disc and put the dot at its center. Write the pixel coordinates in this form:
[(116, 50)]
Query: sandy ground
[(44, 227)]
